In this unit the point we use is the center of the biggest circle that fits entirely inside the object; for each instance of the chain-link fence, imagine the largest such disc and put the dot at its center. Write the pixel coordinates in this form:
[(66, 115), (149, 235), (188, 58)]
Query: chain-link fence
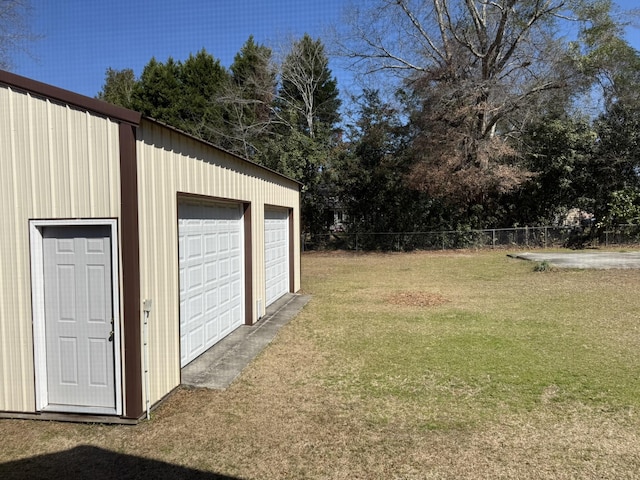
[(531, 237)]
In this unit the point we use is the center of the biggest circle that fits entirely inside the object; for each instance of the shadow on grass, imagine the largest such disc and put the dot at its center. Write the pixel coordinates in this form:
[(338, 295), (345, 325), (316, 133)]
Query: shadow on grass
[(86, 462)]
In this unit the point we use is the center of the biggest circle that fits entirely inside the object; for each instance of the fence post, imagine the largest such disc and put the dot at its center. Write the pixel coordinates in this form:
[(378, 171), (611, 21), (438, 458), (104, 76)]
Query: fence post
[(493, 238), (546, 230)]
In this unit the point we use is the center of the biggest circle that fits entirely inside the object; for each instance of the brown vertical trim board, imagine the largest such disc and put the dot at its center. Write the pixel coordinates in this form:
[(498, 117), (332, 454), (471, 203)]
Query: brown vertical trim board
[(130, 236), (292, 254), (248, 266)]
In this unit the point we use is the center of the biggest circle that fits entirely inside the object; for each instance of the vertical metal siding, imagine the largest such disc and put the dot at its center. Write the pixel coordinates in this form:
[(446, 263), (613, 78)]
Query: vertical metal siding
[(57, 162), (170, 163)]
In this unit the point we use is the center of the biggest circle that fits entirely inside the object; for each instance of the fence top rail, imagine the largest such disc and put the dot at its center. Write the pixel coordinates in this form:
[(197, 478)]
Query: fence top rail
[(440, 232)]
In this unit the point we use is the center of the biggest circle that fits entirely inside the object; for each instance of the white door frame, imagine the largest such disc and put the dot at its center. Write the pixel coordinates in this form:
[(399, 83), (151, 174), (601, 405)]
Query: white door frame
[(38, 308)]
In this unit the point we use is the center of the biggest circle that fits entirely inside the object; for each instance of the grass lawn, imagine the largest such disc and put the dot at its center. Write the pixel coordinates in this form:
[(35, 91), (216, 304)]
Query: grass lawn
[(458, 365)]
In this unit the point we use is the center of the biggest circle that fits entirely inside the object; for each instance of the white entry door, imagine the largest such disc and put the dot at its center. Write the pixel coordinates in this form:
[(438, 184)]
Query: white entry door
[(276, 254), (210, 244), (79, 330)]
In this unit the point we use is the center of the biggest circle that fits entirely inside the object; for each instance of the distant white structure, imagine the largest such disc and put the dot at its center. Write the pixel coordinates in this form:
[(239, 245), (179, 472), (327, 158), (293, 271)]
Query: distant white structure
[(577, 218)]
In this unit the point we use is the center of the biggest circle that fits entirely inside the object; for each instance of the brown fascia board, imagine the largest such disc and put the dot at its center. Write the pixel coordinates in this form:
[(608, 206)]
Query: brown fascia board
[(75, 99)]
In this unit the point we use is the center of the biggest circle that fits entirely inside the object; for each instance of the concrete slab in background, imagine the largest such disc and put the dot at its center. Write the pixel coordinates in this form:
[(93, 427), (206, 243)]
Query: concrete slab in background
[(584, 259)]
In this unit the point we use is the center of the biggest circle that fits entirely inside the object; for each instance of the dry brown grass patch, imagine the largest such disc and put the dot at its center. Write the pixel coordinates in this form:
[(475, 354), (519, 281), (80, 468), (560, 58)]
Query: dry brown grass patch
[(416, 299)]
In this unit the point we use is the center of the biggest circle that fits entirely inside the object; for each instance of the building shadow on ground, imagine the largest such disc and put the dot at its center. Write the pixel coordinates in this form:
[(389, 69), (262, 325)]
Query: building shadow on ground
[(87, 462)]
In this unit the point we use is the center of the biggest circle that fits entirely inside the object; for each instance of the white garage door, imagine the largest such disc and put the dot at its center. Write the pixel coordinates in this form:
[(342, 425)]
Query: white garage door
[(276, 253), (211, 276)]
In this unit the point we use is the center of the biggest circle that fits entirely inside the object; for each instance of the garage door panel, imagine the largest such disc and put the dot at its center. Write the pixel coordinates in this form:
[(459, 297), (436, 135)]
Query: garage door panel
[(223, 242), (224, 297), (210, 273), (194, 277), (235, 241), (225, 321), (194, 248), (209, 235), (210, 244), (196, 340), (225, 269), (211, 301), (211, 330), (195, 308), (236, 314)]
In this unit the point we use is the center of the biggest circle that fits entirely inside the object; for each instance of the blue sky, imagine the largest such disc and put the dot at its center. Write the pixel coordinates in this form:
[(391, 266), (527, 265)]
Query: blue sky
[(81, 38)]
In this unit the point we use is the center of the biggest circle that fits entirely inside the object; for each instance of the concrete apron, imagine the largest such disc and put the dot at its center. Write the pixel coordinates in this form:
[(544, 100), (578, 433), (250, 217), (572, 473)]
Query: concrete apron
[(219, 366), (598, 260)]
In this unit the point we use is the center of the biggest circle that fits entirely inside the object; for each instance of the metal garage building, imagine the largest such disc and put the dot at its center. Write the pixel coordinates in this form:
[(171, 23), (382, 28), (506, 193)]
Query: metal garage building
[(111, 219)]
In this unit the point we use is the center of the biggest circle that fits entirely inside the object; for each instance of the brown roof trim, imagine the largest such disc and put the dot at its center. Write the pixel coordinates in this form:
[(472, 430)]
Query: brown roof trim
[(71, 98)]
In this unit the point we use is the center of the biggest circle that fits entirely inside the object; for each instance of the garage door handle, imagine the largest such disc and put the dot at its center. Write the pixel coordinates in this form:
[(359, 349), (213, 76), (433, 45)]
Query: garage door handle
[(111, 336)]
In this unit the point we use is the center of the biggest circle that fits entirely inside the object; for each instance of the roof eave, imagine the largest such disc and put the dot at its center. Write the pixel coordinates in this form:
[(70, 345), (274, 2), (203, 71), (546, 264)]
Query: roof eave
[(71, 98)]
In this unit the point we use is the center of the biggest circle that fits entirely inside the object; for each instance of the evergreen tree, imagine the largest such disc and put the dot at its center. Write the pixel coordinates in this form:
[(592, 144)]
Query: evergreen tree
[(184, 95), (370, 173), (559, 150), (202, 79), (157, 93), (617, 168)]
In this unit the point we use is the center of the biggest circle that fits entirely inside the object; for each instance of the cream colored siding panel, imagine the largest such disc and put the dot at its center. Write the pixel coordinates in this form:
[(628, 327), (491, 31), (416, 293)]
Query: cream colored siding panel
[(59, 163), (169, 164), (157, 256), (40, 163)]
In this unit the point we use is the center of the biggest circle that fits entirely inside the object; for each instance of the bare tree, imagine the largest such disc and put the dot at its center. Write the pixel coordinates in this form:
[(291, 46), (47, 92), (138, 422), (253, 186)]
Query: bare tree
[(118, 87), (14, 29), (246, 128), (248, 99), (308, 91), (477, 71)]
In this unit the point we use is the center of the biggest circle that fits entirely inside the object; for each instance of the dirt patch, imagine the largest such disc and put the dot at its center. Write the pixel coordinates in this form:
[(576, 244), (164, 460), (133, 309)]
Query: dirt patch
[(416, 299)]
